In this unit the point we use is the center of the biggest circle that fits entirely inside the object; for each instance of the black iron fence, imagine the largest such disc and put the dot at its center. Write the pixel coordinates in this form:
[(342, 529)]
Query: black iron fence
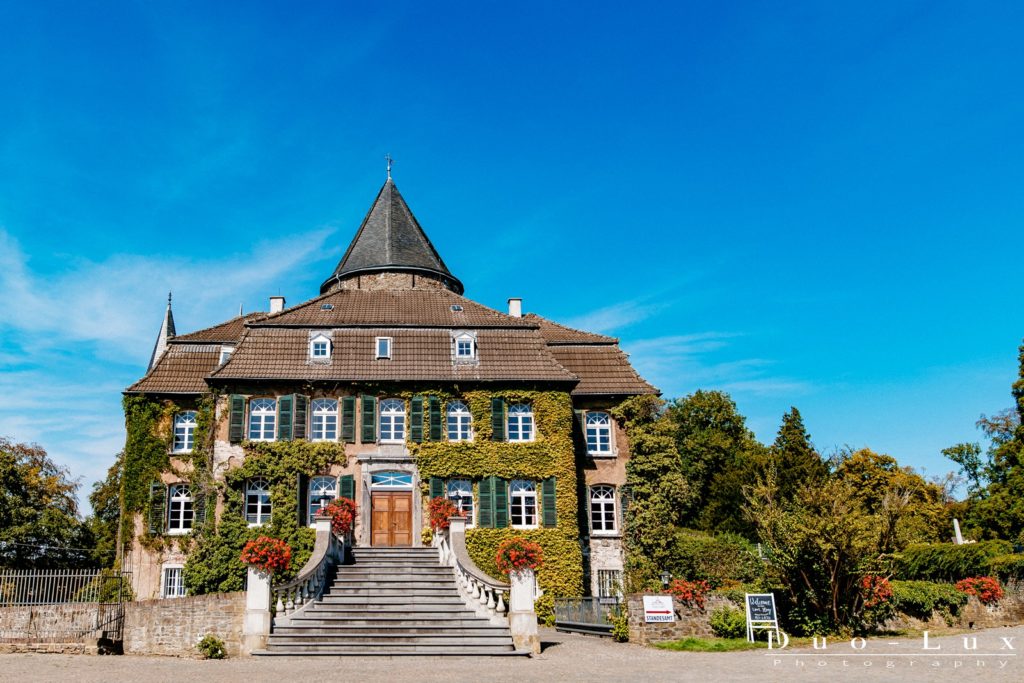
[(587, 615)]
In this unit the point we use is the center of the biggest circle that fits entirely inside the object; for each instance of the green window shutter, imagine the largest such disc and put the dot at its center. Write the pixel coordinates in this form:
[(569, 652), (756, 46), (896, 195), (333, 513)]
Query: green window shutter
[(485, 514), (236, 421), (581, 420), (369, 408), (434, 406), (302, 498), (347, 486), (497, 419), (199, 501), (549, 516), (284, 418), (416, 419), (436, 487), (299, 420), (500, 487), (348, 419), (157, 507)]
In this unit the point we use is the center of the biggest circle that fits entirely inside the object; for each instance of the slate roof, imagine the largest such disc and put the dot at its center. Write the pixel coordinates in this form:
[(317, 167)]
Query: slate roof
[(405, 307), (181, 370), (225, 332), (390, 239), (418, 354)]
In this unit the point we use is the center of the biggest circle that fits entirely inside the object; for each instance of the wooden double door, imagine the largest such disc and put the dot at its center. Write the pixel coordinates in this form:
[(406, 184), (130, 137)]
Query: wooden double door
[(391, 519)]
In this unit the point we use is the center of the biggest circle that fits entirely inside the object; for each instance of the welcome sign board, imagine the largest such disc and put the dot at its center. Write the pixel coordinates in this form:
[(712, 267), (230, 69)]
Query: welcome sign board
[(761, 613)]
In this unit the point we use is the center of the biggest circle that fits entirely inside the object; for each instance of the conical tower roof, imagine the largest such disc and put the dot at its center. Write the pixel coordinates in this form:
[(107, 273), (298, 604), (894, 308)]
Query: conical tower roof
[(390, 239), (166, 333)]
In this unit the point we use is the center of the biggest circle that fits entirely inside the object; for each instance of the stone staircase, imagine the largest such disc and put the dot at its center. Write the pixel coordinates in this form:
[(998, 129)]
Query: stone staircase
[(391, 601)]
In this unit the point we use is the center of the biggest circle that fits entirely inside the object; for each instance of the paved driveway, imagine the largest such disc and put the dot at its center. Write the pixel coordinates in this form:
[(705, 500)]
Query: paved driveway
[(571, 658)]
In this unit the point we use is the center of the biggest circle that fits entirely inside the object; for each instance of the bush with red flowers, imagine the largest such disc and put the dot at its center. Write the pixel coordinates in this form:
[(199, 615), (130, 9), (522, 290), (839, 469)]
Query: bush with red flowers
[(342, 512), (987, 588), (875, 589), (690, 593), (441, 509), (515, 554), (267, 554)]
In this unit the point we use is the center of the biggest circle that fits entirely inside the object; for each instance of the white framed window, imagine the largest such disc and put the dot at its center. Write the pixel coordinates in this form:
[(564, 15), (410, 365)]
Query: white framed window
[(383, 347), (609, 585), (465, 347), (460, 492), (262, 419), (180, 509), (599, 434), (523, 504), (320, 347), (172, 582), (225, 353), (391, 480), (324, 421), (520, 422), (392, 420), (320, 487), (460, 422), (257, 501), (602, 509), (184, 432)]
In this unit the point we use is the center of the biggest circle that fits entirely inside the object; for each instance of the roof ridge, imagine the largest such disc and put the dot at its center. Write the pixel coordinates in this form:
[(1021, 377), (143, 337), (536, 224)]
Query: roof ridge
[(598, 339), (182, 338)]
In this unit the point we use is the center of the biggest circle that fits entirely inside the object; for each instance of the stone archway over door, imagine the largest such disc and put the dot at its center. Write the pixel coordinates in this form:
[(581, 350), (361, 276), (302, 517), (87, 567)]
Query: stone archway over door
[(391, 519)]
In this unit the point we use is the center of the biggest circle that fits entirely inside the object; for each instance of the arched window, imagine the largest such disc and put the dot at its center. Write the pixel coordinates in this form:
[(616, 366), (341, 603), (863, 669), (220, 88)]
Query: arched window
[(180, 512), (599, 434), (319, 488), (262, 419), (602, 509), (460, 422), (520, 422), (523, 504), (184, 432), (460, 492), (392, 420), (325, 420), (257, 502)]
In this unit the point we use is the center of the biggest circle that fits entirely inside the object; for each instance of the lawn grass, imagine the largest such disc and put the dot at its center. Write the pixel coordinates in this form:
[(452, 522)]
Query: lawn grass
[(710, 645)]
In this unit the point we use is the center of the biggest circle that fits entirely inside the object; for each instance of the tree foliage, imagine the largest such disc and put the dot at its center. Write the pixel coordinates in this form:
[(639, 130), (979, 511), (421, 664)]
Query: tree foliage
[(796, 461)]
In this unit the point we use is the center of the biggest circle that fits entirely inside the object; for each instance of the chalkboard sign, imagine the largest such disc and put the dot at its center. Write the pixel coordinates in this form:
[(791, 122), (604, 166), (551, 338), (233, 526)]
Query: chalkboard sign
[(761, 614)]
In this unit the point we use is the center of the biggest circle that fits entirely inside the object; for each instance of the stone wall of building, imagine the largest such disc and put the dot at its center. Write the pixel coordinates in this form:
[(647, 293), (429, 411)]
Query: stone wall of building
[(68, 629), (173, 627), (690, 621)]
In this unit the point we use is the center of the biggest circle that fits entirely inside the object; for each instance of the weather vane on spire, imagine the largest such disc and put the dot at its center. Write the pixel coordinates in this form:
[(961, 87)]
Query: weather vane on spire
[(387, 158)]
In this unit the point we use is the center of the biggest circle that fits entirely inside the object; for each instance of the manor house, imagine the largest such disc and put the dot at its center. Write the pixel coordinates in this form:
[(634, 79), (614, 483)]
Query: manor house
[(389, 388)]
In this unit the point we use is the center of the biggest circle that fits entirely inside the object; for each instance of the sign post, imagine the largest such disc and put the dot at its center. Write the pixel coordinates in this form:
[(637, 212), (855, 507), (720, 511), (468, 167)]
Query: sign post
[(761, 614), (658, 608)]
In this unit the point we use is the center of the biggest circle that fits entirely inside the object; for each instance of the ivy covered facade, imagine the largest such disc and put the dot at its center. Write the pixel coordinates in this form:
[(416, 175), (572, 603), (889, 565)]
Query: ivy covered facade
[(389, 388)]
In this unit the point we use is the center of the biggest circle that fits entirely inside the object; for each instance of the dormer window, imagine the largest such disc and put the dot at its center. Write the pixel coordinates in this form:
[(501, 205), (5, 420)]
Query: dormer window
[(464, 346), (225, 353), (383, 346), (320, 347)]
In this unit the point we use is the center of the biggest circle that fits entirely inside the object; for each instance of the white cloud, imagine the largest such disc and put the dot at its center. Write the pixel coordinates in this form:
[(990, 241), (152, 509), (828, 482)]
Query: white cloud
[(615, 316)]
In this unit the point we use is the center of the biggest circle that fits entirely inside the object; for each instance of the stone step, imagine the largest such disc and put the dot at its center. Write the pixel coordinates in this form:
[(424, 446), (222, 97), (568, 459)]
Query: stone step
[(390, 650), (384, 568), (443, 629), (342, 587), (397, 593), (369, 611), (393, 604), (439, 619), (321, 639)]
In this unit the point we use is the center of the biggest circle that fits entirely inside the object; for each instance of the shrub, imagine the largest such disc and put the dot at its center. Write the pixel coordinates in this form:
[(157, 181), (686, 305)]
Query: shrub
[(718, 559), (875, 589), (518, 553), (267, 554), (620, 626), (729, 622), (441, 509), (987, 588), (343, 514), (921, 598), (949, 562), (211, 647), (1007, 567), (689, 593)]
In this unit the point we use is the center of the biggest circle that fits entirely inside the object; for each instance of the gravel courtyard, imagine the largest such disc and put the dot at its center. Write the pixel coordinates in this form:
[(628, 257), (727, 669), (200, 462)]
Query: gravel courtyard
[(570, 658)]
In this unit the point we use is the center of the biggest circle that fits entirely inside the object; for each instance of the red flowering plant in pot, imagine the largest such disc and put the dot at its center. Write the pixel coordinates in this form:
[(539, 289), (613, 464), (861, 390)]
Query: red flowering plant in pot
[(441, 509), (342, 512), (689, 593), (267, 554), (516, 554), (986, 588)]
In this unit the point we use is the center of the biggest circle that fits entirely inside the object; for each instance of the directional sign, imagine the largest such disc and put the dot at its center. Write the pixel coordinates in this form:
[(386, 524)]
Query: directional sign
[(658, 608)]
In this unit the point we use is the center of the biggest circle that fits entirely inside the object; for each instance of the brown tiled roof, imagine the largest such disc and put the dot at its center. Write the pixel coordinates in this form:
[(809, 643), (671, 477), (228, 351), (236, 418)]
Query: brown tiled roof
[(417, 355), (560, 334), (230, 331), (393, 308), (602, 369), (181, 370)]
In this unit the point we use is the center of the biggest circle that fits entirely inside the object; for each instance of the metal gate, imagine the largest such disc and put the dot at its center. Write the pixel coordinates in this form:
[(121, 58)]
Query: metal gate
[(62, 605), (592, 616)]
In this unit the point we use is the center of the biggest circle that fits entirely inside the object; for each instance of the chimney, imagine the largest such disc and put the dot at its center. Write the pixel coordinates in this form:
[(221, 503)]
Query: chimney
[(276, 304), (515, 308)]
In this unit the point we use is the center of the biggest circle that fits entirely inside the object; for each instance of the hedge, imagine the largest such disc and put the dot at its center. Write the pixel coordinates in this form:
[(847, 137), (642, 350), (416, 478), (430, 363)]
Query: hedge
[(1007, 567), (921, 598), (948, 562)]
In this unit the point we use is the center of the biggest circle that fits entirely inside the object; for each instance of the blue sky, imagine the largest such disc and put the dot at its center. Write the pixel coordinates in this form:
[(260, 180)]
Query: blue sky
[(810, 204)]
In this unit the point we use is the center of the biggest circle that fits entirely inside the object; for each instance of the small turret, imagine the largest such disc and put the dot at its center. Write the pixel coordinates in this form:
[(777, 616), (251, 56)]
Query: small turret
[(166, 333)]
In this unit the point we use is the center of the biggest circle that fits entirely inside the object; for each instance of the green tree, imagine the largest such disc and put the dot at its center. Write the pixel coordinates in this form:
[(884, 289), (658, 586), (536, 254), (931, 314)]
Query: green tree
[(39, 524), (796, 461), (105, 500)]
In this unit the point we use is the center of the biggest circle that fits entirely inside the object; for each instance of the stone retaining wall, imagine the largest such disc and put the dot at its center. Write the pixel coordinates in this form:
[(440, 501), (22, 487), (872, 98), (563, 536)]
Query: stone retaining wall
[(690, 621), (68, 629), (173, 627), (1007, 612)]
